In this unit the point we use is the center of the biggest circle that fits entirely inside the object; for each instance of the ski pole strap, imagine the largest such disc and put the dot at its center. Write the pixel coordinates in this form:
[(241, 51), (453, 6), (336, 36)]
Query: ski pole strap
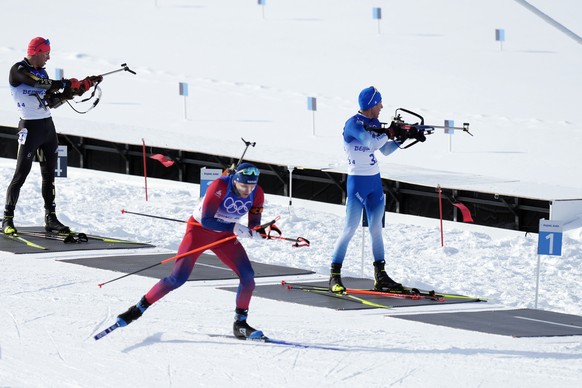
[(272, 229), (266, 225), (301, 242)]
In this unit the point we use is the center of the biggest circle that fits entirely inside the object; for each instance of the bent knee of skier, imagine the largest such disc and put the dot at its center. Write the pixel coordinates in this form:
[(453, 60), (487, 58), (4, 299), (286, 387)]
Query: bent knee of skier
[(173, 282)]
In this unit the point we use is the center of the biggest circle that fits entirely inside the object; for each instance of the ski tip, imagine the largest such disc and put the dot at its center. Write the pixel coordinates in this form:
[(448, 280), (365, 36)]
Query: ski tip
[(122, 211), (107, 331)]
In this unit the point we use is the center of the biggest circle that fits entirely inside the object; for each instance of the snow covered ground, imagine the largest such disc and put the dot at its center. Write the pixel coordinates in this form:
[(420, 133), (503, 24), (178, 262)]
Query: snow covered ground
[(250, 76), (50, 310)]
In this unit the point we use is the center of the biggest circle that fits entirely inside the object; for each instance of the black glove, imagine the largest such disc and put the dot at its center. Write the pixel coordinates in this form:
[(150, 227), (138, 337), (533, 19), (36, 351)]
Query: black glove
[(96, 78), (396, 132), (415, 133)]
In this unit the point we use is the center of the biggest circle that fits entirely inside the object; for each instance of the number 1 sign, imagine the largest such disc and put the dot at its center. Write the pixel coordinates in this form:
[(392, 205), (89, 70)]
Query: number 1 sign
[(550, 238)]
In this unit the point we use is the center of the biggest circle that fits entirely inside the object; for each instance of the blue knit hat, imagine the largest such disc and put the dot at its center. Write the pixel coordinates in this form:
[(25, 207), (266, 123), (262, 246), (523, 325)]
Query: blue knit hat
[(369, 98), (247, 173)]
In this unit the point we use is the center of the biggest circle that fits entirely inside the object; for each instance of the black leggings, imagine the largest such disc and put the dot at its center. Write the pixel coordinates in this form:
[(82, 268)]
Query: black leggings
[(41, 141)]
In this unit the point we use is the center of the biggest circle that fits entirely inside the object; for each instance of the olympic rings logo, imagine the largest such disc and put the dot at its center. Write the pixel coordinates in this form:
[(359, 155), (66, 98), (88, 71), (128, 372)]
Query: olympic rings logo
[(239, 207)]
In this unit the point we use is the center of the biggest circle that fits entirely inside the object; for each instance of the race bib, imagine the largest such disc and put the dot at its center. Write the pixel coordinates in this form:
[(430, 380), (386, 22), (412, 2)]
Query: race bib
[(22, 134)]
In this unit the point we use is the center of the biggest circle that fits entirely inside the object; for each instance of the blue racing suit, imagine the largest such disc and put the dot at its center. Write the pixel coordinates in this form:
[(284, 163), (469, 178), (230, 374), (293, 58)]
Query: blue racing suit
[(364, 184)]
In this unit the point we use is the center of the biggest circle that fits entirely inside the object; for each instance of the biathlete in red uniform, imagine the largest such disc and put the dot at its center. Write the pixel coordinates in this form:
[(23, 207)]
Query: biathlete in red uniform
[(227, 200)]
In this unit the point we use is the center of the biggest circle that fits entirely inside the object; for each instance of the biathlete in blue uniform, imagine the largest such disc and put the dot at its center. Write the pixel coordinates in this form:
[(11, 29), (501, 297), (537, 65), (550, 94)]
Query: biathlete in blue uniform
[(30, 87), (226, 201), (364, 188)]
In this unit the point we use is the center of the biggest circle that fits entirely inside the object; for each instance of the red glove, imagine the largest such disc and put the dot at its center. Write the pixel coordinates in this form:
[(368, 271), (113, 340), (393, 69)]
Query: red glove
[(86, 84), (74, 83)]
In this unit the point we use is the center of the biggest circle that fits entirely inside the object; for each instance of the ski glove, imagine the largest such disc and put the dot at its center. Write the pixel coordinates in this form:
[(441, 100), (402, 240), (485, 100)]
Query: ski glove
[(86, 84), (72, 83), (244, 232), (415, 133), (76, 87), (96, 78), (401, 132)]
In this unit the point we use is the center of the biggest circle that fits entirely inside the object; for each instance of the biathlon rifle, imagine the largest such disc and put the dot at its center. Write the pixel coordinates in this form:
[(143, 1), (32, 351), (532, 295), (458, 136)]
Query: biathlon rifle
[(55, 100), (231, 170), (401, 131)]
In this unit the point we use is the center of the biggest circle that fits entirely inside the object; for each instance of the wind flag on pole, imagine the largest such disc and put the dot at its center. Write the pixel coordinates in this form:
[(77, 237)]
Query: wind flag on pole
[(166, 161)]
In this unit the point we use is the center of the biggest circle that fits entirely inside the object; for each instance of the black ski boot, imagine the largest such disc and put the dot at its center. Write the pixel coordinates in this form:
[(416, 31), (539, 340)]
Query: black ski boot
[(52, 224), (133, 313), (335, 279), (383, 282), (241, 328), (8, 222)]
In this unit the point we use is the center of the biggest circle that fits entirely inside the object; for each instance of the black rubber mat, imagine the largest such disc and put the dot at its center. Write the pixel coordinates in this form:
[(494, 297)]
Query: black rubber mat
[(208, 267), (8, 244), (287, 293), (515, 323)]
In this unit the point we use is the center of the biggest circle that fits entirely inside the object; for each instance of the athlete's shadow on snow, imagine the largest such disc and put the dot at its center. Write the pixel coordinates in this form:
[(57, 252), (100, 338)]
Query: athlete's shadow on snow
[(157, 338)]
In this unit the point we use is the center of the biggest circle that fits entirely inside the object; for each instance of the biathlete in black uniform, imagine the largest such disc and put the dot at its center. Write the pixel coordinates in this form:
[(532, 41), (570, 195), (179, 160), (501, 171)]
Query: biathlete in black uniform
[(30, 87)]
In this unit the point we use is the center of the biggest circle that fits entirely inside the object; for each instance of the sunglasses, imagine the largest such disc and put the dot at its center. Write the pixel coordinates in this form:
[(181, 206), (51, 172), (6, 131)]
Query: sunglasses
[(250, 171)]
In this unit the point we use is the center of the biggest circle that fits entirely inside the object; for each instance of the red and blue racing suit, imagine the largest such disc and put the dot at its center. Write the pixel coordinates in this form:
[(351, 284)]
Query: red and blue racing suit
[(214, 220)]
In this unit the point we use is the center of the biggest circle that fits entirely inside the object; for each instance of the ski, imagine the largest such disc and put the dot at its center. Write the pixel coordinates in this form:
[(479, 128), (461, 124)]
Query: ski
[(263, 339), (407, 293), (111, 240), (106, 331), (74, 237), (343, 295), (412, 294), (67, 238), (267, 340), (437, 295), (16, 237)]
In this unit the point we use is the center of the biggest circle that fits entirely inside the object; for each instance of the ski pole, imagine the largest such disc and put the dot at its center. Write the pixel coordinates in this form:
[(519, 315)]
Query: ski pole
[(299, 241), (123, 211), (202, 248)]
